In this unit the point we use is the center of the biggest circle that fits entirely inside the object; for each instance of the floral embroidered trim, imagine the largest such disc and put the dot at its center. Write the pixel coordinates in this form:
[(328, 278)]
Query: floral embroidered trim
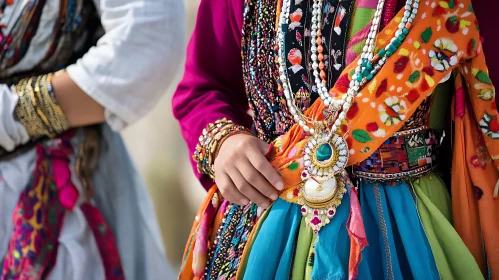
[(210, 142)]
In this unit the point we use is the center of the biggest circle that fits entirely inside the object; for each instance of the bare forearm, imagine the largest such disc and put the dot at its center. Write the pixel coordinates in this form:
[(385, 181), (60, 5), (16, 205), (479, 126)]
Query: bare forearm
[(79, 108)]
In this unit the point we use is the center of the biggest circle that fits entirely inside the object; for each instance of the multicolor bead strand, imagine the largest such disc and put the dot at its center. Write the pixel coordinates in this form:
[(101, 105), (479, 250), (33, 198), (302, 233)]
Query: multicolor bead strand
[(271, 117)]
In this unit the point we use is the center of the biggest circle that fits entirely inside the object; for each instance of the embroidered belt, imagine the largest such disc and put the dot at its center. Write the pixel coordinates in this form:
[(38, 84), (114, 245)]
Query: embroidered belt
[(407, 154)]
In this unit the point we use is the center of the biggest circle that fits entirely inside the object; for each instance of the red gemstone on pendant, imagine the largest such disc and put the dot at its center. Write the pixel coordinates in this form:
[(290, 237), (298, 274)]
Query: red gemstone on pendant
[(316, 212), (303, 209), (315, 221), (296, 192), (330, 212)]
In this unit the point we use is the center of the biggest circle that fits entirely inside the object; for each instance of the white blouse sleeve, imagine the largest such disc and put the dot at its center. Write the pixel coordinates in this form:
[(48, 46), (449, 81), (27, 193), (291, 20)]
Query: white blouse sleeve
[(12, 132), (130, 67)]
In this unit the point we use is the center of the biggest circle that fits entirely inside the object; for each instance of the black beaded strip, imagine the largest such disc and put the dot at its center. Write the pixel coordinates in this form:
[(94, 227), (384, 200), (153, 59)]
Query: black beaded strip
[(220, 257), (214, 246), (238, 242)]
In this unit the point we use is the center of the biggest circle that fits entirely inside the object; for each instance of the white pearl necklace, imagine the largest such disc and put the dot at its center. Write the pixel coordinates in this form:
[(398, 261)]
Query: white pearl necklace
[(366, 55), (293, 109), (325, 155)]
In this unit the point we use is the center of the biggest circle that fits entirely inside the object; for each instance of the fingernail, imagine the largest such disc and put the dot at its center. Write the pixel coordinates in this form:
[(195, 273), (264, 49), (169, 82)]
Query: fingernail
[(245, 201), (273, 196), (259, 211), (265, 205), (279, 186)]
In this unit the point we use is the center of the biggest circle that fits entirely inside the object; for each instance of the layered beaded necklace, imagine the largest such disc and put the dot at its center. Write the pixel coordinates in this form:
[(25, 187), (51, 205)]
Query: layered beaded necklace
[(326, 153)]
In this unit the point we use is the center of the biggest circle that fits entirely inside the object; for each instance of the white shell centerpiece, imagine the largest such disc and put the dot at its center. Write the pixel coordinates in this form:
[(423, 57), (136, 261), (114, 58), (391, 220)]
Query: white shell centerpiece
[(322, 189), (314, 191), (319, 200)]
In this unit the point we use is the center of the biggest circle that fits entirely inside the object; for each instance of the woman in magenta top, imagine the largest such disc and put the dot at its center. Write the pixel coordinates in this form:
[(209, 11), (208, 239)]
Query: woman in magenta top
[(229, 93)]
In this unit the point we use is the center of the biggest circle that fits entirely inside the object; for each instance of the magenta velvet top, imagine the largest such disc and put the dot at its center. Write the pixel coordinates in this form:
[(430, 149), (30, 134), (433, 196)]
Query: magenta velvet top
[(212, 86)]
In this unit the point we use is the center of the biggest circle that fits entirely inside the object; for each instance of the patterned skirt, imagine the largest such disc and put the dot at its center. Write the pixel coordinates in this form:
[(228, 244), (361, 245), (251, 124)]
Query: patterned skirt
[(408, 228)]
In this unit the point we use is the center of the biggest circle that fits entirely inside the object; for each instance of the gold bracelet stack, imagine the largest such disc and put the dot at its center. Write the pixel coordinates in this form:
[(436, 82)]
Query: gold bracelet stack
[(210, 142), (38, 109)]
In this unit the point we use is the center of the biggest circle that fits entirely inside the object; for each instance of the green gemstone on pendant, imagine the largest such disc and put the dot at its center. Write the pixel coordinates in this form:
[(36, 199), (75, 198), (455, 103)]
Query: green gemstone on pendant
[(324, 152), (382, 52)]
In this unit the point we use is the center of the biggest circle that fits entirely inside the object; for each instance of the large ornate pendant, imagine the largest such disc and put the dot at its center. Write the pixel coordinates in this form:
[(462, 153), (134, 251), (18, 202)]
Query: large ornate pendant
[(322, 188), (325, 155)]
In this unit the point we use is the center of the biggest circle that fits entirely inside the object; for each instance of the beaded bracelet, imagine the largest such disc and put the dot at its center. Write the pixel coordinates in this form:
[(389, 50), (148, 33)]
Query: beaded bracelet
[(38, 109), (210, 142)]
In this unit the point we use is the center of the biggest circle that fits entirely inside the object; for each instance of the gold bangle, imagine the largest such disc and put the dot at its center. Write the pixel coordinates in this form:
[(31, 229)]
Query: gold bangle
[(26, 113), (59, 117), (37, 109), (53, 111), (39, 106)]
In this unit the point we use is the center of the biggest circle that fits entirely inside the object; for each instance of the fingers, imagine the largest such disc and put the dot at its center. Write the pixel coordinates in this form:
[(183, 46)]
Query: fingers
[(263, 166), (244, 174), (245, 185), (255, 177), (229, 190)]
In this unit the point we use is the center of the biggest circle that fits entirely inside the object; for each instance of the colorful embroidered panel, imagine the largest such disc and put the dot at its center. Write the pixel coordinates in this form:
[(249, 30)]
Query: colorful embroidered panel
[(409, 154)]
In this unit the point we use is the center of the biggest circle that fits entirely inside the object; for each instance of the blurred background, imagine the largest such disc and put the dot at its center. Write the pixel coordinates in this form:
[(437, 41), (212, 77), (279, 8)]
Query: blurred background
[(161, 156)]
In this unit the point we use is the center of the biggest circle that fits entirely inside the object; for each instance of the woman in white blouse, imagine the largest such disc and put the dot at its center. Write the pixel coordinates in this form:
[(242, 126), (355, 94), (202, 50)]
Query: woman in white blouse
[(72, 74)]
